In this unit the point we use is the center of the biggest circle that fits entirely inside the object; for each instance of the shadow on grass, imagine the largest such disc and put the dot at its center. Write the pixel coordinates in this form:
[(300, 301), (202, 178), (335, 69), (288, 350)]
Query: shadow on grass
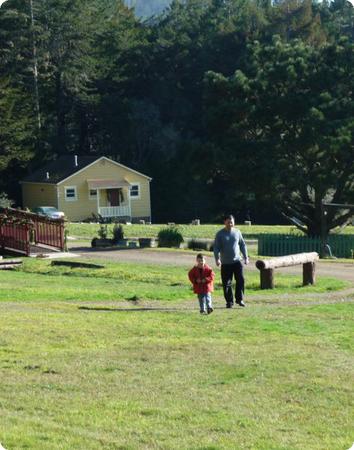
[(143, 309), (137, 309)]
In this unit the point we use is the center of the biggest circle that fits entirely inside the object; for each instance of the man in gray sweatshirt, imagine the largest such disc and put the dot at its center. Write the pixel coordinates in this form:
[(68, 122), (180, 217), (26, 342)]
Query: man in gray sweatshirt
[(229, 250)]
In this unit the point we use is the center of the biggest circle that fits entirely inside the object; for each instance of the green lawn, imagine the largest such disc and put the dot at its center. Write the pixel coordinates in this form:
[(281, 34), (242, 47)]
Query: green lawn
[(83, 368), (38, 279), (88, 231)]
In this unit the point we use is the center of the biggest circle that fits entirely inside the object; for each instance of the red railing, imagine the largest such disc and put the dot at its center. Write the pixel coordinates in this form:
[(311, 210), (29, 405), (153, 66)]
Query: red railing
[(15, 236), (41, 229)]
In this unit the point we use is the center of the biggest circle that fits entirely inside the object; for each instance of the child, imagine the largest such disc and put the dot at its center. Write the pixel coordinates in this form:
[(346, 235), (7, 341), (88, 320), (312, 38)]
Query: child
[(202, 278)]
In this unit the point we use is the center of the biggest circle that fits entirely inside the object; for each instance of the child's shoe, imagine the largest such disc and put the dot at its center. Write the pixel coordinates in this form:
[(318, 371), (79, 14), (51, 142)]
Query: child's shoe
[(210, 310)]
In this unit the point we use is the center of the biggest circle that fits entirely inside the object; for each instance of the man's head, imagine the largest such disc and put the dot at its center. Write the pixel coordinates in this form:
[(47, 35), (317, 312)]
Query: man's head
[(229, 221), (200, 260)]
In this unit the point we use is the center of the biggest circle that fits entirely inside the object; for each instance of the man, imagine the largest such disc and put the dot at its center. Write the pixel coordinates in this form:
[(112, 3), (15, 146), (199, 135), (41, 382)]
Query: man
[(229, 248)]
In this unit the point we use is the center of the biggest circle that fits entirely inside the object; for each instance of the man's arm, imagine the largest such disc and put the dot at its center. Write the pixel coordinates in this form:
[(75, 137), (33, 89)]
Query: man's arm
[(217, 249), (243, 248)]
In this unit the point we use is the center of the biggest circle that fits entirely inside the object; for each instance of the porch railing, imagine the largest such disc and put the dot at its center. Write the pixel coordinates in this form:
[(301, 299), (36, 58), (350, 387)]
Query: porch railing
[(115, 211)]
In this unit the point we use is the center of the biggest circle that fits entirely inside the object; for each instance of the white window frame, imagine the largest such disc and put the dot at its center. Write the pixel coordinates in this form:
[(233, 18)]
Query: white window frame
[(70, 199), (93, 197), (135, 197)]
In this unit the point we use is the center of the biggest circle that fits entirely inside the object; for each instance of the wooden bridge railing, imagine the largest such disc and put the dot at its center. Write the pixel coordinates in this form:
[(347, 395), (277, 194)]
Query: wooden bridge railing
[(15, 236), (21, 228), (267, 266)]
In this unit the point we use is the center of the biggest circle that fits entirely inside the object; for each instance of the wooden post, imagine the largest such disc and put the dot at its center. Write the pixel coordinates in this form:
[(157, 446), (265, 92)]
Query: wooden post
[(267, 278), (308, 273)]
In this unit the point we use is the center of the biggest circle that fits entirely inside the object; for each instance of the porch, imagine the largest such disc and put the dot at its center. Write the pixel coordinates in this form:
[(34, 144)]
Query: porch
[(112, 197)]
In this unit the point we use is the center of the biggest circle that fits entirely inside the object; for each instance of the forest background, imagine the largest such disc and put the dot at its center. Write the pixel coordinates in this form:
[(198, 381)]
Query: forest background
[(229, 105)]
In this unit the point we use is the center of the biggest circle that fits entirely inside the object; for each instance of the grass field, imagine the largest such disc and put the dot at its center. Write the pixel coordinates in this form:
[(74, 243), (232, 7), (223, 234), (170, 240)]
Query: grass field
[(38, 279), (88, 231), (83, 366)]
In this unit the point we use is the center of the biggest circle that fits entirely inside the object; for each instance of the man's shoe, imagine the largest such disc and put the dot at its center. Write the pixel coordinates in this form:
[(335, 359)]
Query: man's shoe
[(241, 303), (229, 305), (210, 310)]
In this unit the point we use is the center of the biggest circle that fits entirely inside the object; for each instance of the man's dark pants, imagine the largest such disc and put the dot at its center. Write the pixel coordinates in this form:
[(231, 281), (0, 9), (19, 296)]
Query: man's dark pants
[(228, 271)]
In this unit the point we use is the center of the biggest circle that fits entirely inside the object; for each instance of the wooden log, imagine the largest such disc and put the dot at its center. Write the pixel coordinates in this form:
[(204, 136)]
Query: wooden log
[(308, 273), (4, 262), (8, 266), (267, 278), (285, 261)]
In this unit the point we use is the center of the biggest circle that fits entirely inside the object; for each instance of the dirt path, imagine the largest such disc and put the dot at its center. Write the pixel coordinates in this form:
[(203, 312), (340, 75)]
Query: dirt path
[(344, 271)]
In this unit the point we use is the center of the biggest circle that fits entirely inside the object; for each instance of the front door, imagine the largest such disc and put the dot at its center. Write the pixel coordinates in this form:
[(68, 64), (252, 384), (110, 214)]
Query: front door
[(114, 197)]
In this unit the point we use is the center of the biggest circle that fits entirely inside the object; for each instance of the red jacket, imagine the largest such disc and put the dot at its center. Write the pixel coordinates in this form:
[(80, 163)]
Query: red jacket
[(206, 274)]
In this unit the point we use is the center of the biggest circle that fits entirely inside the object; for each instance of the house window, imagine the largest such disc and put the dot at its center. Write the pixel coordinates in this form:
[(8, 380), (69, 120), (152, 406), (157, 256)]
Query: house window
[(135, 191), (70, 194), (93, 194)]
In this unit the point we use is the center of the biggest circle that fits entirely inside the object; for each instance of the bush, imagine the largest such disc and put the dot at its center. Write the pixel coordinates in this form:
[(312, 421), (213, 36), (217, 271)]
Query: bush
[(118, 233), (170, 237), (102, 232)]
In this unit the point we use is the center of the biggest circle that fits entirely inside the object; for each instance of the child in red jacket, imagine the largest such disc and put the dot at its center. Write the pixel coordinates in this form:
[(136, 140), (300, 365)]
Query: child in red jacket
[(202, 278)]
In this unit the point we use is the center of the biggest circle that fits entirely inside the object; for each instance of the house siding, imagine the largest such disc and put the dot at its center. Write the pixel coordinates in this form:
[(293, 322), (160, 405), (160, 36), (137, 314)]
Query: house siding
[(83, 207), (141, 206), (39, 194)]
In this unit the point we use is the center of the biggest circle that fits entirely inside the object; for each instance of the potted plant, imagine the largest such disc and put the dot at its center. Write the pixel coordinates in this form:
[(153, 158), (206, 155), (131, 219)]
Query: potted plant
[(118, 235), (102, 240), (147, 242)]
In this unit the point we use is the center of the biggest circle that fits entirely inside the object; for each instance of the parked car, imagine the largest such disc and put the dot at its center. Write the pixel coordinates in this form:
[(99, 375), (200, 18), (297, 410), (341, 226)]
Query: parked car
[(48, 211)]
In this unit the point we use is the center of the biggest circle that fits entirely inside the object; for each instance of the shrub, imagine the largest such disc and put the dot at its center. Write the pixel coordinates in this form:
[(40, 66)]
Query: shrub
[(5, 202), (117, 232), (170, 237)]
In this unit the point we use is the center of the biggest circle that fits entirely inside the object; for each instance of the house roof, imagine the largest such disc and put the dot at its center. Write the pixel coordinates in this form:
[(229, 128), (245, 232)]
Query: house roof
[(64, 167)]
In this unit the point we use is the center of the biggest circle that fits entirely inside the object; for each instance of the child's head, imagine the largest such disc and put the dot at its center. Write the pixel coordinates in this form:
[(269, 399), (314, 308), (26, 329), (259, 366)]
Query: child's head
[(200, 260)]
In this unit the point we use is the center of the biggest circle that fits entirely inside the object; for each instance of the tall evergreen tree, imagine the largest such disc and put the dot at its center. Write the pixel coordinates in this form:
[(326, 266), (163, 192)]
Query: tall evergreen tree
[(290, 128)]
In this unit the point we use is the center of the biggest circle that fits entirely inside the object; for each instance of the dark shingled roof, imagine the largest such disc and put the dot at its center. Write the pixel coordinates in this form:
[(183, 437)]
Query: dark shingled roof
[(60, 169)]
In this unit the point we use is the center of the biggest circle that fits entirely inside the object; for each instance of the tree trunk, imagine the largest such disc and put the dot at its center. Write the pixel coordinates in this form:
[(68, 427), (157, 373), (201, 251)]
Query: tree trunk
[(35, 70), (61, 132)]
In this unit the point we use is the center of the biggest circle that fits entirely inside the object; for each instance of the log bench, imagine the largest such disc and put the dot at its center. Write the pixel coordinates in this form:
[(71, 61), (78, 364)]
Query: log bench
[(267, 266)]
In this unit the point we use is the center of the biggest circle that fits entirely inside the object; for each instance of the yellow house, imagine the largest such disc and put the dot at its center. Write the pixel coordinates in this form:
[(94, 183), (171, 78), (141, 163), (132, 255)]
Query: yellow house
[(81, 186)]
